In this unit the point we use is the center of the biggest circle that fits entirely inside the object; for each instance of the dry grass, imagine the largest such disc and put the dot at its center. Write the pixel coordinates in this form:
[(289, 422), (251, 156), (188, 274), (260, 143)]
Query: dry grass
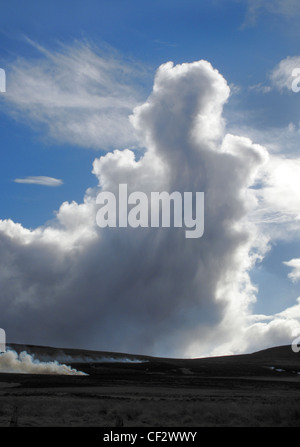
[(234, 391), (98, 411)]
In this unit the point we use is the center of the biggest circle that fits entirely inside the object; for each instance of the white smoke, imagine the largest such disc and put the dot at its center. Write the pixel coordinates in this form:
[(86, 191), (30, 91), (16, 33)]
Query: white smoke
[(24, 363), (86, 359)]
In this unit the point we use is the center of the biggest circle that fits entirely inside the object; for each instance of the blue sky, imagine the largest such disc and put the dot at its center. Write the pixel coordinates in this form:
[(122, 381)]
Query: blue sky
[(244, 40)]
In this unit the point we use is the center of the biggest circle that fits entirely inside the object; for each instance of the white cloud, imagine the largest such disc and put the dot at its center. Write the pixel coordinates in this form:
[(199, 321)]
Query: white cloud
[(286, 9), (260, 88), (77, 94), (40, 180), (281, 140), (278, 196), (277, 184), (283, 75), (294, 275), (151, 290)]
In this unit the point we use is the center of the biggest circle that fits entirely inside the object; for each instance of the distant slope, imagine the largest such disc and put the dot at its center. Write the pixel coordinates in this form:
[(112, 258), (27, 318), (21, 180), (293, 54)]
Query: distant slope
[(279, 357)]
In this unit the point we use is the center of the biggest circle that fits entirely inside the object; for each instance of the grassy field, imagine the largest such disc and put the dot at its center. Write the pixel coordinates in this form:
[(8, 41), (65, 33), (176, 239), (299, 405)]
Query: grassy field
[(261, 389)]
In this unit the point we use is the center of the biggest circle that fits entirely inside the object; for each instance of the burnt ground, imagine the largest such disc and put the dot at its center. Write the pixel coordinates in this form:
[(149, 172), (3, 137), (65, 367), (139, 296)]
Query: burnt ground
[(254, 390)]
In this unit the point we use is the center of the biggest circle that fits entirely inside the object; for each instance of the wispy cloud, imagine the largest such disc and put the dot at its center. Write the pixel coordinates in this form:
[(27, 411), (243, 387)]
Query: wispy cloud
[(286, 9), (80, 94), (282, 76), (294, 275), (40, 180)]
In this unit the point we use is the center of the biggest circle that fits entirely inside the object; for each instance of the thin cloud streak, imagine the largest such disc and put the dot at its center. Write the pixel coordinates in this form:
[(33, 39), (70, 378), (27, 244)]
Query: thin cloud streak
[(287, 9), (78, 94), (40, 180)]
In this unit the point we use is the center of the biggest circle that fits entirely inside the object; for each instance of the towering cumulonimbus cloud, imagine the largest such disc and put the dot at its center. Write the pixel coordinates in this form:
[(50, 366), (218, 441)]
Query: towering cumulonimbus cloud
[(149, 290)]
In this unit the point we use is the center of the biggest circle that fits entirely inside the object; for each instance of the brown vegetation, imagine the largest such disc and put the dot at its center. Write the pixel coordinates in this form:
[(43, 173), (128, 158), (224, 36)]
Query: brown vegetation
[(261, 389)]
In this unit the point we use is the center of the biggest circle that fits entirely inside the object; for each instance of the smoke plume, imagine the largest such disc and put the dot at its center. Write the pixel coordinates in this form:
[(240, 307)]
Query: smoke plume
[(24, 363)]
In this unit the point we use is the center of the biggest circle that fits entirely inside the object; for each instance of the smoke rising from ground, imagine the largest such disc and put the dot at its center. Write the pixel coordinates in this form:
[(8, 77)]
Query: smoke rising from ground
[(24, 363), (84, 359)]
